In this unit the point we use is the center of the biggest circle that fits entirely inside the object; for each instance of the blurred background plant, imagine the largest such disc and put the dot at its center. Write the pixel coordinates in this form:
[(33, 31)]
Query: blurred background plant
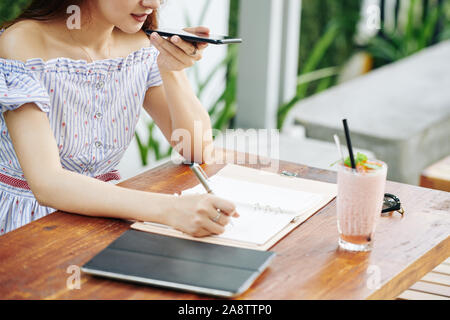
[(10, 9), (329, 53), (426, 23), (326, 42)]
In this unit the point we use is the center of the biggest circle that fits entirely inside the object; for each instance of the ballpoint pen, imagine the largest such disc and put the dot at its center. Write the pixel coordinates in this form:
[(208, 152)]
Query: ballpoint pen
[(203, 178)]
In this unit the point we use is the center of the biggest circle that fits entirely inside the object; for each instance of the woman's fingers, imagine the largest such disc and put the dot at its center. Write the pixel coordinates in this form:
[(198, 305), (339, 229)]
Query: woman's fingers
[(225, 206), (213, 227), (169, 60), (191, 49), (178, 50), (219, 217), (202, 233), (177, 54), (166, 47), (201, 31)]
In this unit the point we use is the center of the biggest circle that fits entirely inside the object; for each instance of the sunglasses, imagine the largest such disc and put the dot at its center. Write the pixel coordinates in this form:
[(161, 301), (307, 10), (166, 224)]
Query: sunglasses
[(391, 203)]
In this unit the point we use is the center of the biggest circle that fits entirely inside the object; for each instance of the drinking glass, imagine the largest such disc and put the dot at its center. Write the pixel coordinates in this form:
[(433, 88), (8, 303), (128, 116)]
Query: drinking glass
[(359, 205)]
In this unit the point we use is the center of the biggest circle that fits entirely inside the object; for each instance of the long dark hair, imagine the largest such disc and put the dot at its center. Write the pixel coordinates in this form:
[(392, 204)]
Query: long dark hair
[(45, 10)]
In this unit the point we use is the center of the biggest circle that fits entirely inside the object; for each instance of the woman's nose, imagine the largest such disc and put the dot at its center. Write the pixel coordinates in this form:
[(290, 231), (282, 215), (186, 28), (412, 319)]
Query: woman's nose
[(153, 4)]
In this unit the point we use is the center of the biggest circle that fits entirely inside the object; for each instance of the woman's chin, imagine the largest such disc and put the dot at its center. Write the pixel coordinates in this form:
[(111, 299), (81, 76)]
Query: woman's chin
[(129, 28)]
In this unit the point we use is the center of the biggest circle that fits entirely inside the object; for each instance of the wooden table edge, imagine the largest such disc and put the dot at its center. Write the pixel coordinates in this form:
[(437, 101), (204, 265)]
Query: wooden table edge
[(413, 273)]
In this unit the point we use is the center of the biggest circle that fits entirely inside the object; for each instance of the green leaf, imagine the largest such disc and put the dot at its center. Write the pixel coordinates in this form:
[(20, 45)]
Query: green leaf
[(284, 110), (324, 84), (318, 75), (429, 28), (360, 157), (410, 22), (213, 110), (311, 64), (445, 35), (317, 54), (348, 162), (412, 34), (143, 150), (381, 48), (334, 163), (11, 9), (231, 55)]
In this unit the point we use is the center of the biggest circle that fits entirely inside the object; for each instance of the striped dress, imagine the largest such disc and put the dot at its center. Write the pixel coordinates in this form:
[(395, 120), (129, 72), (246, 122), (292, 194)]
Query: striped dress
[(93, 109)]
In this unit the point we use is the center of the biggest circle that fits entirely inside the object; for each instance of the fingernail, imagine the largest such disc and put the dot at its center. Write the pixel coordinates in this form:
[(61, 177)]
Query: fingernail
[(175, 39), (154, 36)]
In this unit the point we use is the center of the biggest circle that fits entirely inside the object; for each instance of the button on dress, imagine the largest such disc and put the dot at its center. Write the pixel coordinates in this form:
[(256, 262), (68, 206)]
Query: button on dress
[(93, 109)]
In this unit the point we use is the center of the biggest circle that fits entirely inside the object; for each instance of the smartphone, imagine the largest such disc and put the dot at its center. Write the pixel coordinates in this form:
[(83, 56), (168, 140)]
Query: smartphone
[(194, 37)]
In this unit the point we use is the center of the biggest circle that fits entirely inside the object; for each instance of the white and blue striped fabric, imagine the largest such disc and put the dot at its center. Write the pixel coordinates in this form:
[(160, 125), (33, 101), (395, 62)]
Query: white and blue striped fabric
[(93, 109)]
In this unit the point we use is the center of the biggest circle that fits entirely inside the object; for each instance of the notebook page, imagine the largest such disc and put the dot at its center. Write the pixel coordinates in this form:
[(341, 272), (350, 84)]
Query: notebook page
[(254, 226), (260, 196), (264, 210)]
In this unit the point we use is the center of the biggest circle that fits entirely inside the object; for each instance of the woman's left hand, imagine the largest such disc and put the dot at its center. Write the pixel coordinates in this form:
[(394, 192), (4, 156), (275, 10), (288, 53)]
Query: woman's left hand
[(177, 54)]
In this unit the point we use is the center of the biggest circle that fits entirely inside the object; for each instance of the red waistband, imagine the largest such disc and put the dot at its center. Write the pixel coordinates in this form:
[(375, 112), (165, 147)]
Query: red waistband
[(17, 183)]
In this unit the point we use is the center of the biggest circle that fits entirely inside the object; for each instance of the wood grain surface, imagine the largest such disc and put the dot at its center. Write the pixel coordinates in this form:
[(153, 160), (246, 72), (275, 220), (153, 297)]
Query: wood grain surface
[(309, 265)]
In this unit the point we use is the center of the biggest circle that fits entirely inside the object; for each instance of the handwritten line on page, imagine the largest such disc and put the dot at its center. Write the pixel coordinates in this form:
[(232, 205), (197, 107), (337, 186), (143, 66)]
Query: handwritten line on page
[(264, 210)]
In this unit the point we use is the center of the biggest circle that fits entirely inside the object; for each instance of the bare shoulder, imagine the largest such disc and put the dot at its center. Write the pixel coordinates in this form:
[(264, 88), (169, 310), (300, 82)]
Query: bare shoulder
[(22, 41)]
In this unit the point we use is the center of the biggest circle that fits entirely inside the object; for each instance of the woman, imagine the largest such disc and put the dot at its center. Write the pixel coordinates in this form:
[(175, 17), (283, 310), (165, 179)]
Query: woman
[(70, 100)]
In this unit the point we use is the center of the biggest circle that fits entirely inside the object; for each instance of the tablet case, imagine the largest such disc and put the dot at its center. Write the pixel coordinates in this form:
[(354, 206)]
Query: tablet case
[(170, 262)]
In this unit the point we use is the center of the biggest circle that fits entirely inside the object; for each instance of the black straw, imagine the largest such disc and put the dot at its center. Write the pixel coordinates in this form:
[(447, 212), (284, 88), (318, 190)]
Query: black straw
[(349, 143)]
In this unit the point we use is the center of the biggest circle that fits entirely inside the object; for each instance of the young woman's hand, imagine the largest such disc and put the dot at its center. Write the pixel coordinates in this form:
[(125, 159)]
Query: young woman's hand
[(194, 214), (177, 54)]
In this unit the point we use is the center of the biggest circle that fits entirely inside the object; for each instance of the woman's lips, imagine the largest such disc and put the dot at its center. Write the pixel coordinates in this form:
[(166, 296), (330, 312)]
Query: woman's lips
[(140, 18)]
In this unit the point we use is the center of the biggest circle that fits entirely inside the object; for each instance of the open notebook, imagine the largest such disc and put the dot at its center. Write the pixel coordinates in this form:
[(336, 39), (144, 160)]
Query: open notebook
[(270, 206)]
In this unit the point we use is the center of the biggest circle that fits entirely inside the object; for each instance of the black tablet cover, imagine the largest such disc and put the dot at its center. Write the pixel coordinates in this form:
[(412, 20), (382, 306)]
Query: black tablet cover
[(178, 263)]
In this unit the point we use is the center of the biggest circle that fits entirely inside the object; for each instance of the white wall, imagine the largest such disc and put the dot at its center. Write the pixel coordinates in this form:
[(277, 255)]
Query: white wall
[(173, 14)]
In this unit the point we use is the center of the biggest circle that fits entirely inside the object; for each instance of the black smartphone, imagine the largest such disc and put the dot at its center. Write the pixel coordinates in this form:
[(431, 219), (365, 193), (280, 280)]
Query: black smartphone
[(194, 37)]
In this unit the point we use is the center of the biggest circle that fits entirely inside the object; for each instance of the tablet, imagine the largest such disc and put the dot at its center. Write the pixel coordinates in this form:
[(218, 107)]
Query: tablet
[(179, 264)]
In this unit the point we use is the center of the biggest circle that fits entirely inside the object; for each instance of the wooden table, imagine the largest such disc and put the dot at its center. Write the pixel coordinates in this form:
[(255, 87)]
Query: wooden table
[(34, 259)]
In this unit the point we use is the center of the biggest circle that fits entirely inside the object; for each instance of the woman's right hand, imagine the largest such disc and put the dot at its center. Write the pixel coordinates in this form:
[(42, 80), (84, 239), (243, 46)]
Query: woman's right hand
[(194, 214)]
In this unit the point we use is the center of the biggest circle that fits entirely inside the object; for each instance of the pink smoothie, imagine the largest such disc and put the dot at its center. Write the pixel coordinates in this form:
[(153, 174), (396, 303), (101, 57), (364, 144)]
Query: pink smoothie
[(359, 202)]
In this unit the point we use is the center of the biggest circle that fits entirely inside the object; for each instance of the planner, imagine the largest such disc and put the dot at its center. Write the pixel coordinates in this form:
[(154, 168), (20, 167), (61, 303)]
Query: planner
[(181, 264), (270, 206)]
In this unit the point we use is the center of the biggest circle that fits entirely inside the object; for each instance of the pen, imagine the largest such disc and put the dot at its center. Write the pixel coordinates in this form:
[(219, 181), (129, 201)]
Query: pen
[(203, 178)]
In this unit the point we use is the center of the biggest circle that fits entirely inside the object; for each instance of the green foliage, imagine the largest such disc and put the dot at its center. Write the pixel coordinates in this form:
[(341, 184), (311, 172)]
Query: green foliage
[(152, 145), (316, 18), (222, 118), (326, 43), (424, 27), (326, 46), (360, 158), (10, 9), (317, 55)]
